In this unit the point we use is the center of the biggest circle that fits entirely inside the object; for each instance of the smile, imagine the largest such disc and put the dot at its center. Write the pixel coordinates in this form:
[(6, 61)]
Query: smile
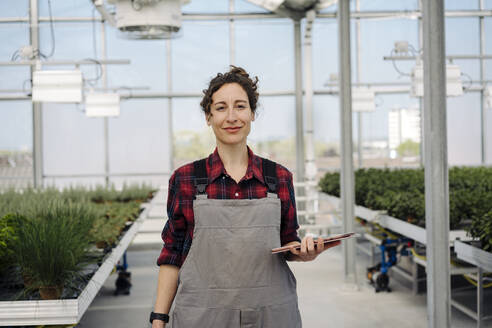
[(232, 130)]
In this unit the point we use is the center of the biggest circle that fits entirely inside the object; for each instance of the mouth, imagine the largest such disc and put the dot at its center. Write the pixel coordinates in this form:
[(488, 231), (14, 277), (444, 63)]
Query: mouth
[(233, 129)]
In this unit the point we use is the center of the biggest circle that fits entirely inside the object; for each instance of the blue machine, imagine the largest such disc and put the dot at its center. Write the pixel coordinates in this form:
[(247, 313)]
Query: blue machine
[(390, 249)]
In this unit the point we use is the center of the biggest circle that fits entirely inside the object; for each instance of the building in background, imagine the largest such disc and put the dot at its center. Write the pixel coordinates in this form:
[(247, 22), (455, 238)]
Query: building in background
[(404, 132)]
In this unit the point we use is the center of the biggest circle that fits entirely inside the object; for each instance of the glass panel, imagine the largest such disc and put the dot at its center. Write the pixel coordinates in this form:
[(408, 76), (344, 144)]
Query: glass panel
[(138, 141), (274, 129), (325, 51), (199, 54), (488, 4), (15, 144), (193, 139), (462, 36), (147, 68), (244, 6), (14, 8), (266, 48), (72, 40), (13, 37), (488, 36), (377, 40), (206, 6), (463, 116), (461, 5), (72, 143), (389, 5), (66, 8)]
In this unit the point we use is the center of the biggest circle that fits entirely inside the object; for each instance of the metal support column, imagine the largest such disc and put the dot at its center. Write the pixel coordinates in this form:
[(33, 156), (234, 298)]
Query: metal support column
[(436, 166), (358, 57), (170, 105), (299, 112), (104, 56), (232, 36), (483, 119), (37, 113), (480, 309), (311, 169), (347, 166), (421, 101)]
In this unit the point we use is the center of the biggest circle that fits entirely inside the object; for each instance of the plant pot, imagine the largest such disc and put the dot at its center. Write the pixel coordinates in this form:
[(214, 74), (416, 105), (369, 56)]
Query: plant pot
[(27, 278), (101, 244), (50, 292)]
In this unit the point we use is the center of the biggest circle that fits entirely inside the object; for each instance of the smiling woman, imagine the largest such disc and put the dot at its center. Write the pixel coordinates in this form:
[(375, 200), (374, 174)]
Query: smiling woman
[(226, 213)]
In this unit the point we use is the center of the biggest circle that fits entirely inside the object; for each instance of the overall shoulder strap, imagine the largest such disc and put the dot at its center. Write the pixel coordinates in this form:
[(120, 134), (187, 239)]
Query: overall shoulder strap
[(201, 178), (270, 175)]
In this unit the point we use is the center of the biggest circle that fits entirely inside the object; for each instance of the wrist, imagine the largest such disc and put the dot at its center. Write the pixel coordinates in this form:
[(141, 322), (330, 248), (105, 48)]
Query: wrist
[(164, 317)]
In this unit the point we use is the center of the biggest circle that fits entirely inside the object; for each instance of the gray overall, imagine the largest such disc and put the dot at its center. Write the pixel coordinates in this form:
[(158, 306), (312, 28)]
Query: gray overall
[(230, 278)]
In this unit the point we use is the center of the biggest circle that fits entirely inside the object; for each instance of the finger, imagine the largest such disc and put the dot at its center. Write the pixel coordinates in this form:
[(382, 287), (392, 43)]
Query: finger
[(332, 244), (304, 246), (293, 250), (310, 246), (321, 245)]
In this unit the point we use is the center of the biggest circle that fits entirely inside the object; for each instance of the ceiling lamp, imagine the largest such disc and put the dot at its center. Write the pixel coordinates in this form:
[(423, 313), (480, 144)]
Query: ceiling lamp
[(454, 85), (148, 19), (57, 86), (488, 97), (102, 104), (363, 99)]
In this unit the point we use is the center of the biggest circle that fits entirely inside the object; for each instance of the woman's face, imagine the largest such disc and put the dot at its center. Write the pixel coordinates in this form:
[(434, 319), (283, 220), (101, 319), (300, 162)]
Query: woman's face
[(230, 115)]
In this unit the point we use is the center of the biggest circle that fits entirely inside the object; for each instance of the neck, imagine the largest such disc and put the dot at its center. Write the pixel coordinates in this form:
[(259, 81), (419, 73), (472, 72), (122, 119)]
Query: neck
[(233, 156)]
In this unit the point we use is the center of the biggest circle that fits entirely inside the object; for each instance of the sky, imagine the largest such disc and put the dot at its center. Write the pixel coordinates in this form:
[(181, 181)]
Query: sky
[(264, 47)]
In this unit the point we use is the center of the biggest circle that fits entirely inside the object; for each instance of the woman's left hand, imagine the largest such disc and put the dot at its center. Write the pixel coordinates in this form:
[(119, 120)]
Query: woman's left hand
[(309, 248)]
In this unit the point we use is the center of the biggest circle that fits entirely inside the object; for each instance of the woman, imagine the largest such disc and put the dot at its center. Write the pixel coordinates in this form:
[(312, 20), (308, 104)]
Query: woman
[(226, 213)]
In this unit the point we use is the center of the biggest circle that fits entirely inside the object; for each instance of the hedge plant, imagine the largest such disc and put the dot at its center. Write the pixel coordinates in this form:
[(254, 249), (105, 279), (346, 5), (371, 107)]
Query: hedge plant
[(401, 193)]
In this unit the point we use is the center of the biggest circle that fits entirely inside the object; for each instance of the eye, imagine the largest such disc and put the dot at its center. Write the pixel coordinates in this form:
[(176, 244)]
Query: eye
[(241, 106), (220, 108)]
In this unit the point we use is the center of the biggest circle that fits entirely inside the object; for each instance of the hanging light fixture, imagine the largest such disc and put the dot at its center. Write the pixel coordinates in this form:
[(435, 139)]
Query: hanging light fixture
[(61, 86), (363, 99), (454, 85), (488, 97), (102, 104)]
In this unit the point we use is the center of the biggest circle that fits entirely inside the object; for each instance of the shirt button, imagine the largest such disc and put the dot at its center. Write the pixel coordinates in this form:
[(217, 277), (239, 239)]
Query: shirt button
[(236, 194)]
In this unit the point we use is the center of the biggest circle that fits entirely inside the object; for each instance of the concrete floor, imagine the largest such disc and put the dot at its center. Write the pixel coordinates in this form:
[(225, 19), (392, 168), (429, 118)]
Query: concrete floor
[(324, 300)]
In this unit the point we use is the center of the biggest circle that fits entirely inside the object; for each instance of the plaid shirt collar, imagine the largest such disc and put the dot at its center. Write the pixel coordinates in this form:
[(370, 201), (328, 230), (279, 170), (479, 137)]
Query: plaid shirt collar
[(217, 169)]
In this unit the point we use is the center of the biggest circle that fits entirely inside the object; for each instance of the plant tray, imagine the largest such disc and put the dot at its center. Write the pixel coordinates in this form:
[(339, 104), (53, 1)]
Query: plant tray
[(68, 311), (406, 229), (474, 255)]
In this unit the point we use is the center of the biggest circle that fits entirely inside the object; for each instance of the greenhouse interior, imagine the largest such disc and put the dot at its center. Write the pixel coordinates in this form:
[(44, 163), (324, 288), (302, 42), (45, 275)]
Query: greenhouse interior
[(376, 114)]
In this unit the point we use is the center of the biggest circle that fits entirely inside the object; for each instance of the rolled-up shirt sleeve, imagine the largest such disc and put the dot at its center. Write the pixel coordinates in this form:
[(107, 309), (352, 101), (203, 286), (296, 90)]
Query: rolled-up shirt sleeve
[(174, 231), (289, 224)]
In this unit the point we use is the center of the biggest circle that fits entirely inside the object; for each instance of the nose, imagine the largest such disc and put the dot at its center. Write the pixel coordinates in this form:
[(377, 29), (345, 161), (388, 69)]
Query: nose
[(231, 115)]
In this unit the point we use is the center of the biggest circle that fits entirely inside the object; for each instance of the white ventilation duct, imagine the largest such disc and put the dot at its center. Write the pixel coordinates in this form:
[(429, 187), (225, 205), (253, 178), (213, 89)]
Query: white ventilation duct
[(148, 19)]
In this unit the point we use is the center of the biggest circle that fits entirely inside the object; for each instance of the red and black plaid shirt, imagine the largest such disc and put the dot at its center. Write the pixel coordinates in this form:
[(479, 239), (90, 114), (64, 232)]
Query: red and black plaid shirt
[(178, 232)]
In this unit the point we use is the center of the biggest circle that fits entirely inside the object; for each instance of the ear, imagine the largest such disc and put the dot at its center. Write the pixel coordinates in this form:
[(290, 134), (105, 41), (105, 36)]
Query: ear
[(207, 118), (253, 116)]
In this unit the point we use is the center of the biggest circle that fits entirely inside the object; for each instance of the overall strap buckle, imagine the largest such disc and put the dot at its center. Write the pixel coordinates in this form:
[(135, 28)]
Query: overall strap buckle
[(270, 175), (201, 178)]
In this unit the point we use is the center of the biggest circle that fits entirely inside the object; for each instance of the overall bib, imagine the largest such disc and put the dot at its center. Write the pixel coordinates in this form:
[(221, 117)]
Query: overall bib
[(230, 278)]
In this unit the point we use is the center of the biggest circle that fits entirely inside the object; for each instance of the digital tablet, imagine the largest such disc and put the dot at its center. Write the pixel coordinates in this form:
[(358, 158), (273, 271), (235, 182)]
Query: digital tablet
[(325, 241)]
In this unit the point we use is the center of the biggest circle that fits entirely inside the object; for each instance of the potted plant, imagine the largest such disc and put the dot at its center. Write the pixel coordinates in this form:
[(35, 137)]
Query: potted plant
[(52, 244)]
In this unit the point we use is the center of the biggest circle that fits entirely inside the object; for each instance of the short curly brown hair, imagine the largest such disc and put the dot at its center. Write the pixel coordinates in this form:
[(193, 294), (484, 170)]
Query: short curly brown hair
[(235, 75)]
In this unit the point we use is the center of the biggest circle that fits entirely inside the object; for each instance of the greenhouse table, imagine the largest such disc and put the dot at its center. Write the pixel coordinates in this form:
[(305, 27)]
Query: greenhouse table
[(68, 311)]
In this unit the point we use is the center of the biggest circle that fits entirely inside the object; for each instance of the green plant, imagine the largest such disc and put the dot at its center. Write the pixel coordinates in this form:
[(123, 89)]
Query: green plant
[(481, 227), (52, 244), (8, 237)]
